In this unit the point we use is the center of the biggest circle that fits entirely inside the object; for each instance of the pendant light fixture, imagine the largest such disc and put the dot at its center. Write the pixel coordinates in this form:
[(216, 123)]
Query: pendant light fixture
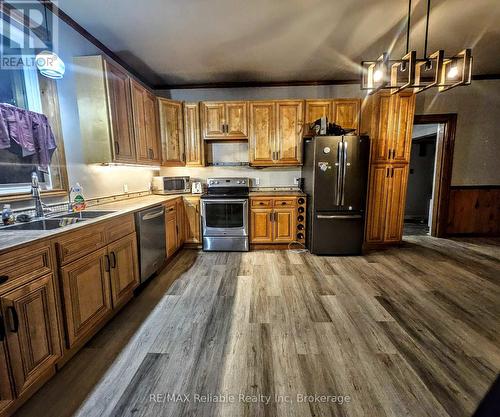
[(410, 73), (48, 62)]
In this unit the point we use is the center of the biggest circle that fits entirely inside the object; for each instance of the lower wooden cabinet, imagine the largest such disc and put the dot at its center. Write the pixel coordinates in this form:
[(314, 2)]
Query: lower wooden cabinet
[(174, 225), (31, 329), (6, 392), (192, 219), (181, 222), (273, 220), (124, 269), (386, 203), (86, 294)]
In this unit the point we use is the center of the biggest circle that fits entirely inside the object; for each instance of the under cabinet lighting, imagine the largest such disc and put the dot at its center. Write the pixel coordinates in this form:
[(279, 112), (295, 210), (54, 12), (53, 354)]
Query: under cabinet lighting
[(117, 164)]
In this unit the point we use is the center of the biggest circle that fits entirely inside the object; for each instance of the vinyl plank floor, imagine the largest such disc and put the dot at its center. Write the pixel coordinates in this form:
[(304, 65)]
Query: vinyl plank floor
[(408, 331)]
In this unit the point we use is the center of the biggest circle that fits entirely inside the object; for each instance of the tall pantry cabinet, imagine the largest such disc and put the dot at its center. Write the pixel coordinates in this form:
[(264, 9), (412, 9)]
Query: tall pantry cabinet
[(388, 119)]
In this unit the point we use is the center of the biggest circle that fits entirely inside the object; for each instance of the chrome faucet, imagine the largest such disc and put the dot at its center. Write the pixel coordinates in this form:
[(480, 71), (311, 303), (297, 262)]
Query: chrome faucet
[(35, 193)]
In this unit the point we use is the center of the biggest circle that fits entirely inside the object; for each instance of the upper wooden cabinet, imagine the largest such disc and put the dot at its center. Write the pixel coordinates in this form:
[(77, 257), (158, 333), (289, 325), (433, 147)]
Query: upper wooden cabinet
[(31, 330), (343, 112), (224, 120), (105, 110), (195, 148), (390, 126), (146, 129), (276, 132), (172, 132)]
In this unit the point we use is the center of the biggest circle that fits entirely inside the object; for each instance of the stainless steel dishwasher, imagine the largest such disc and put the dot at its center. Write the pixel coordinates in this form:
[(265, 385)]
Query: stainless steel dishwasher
[(150, 228)]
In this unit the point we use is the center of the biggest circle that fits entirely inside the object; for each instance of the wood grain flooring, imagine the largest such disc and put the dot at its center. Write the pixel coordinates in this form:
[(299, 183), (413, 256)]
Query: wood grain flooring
[(410, 331)]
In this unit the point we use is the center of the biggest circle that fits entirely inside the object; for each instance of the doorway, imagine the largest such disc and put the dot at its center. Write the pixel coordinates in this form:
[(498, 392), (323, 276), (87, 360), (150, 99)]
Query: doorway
[(429, 177)]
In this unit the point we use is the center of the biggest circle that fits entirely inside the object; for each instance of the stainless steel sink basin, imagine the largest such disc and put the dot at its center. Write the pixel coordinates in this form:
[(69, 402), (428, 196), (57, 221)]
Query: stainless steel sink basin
[(43, 224), (87, 214)]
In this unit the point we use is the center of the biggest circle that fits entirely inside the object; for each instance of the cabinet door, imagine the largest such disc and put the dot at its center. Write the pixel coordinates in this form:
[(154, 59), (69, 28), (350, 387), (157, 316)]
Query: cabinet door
[(141, 143), (290, 123), (124, 269), (192, 218), (152, 128), (172, 132), (32, 330), (396, 200), (195, 151), (171, 235), (120, 109), (6, 391), (236, 118), (262, 133), (345, 113), (284, 225), (261, 229), (180, 222), (316, 109), (381, 126), (378, 184), (403, 126), (87, 296), (212, 119)]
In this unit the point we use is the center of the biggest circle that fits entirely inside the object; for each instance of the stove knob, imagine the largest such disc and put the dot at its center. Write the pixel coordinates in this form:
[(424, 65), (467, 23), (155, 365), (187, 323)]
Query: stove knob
[(216, 182)]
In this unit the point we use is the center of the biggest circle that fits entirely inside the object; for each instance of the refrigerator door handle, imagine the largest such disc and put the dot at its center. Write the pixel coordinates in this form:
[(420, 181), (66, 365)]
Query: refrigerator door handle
[(344, 170), (338, 216), (339, 174)]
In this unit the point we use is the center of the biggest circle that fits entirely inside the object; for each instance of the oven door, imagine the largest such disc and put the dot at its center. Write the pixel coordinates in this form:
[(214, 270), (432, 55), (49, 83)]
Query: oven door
[(224, 217)]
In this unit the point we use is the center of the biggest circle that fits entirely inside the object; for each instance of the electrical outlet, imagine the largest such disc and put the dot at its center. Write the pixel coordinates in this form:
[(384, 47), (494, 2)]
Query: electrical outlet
[(125, 188), (296, 180), (256, 181)]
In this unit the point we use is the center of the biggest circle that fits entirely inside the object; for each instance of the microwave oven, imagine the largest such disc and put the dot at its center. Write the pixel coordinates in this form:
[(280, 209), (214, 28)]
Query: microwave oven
[(171, 185)]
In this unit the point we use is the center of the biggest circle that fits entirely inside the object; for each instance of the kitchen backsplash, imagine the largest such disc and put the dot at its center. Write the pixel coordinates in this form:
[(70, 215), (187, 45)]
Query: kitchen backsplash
[(267, 177)]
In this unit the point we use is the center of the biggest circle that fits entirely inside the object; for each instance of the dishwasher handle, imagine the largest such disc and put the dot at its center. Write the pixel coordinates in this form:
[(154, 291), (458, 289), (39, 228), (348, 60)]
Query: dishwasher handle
[(149, 216)]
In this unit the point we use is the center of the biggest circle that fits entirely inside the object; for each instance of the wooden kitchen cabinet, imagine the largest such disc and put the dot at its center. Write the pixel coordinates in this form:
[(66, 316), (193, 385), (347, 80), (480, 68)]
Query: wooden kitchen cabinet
[(6, 391), (86, 294), (343, 112), (273, 220), (386, 203), (30, 319), (181, 222), (146, 126), (124, 269), (192, 219), (261, 225), (171, 132), (390, 128), (224, 120), (194, 146), (172, 229), (276, 133), (262, 133), (105, 110)]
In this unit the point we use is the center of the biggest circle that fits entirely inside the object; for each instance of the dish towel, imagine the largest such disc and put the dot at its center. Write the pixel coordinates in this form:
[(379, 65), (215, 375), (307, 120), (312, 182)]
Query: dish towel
[(30, 130)]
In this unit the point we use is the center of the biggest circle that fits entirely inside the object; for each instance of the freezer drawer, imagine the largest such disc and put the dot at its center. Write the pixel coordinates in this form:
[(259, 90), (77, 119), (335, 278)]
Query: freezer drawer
[(337, 234)]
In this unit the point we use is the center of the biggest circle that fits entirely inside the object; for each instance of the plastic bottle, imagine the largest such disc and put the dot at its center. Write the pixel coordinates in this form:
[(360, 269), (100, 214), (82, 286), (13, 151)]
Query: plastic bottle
[(77, 198), (7, 216)]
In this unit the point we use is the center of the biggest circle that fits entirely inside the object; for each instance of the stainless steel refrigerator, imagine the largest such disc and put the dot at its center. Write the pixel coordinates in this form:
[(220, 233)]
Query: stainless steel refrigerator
[(335, 175)]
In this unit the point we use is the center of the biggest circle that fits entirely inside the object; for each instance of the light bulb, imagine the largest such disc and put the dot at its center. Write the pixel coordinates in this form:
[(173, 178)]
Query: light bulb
[(453, 72), (377, 76)]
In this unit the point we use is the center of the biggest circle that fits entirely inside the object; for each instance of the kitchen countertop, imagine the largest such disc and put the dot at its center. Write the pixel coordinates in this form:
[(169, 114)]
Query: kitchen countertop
[(17, 238), (276, 193)]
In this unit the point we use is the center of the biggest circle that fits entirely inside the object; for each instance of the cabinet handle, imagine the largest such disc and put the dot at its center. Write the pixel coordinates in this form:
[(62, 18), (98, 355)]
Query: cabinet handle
[(3, 279), (113, 260), (387, 172), (393, 153), (15, 319), (106, 264), (283, 203), (392, 173), (151, 155), (117, 148), (2, 330)]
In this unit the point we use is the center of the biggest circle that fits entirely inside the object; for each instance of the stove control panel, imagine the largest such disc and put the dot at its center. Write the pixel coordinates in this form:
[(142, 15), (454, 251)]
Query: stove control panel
[(228, 182)]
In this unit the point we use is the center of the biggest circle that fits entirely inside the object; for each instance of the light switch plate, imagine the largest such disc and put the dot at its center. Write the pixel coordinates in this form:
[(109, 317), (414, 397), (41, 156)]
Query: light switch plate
[(125, 188), (256, 181)]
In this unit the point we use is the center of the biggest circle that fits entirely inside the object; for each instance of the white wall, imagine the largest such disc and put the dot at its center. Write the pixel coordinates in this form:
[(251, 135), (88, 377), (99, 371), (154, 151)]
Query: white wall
[(477, 143)]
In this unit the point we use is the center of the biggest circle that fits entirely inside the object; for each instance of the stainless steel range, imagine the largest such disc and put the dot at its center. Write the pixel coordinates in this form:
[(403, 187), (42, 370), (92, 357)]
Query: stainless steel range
[(224, 215)]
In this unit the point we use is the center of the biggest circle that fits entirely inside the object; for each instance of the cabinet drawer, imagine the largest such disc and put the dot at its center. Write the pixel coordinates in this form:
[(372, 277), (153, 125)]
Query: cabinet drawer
[(171, 209), (262, 202), (80, 243), (23, 265), (120, 227), (284, 202)]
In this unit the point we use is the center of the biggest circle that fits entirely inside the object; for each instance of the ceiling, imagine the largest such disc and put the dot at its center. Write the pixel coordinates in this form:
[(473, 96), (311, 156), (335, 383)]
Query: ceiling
[(172, 42)]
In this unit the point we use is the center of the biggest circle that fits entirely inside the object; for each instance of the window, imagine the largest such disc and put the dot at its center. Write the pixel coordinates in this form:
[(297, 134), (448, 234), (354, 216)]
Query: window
[(25, 88)]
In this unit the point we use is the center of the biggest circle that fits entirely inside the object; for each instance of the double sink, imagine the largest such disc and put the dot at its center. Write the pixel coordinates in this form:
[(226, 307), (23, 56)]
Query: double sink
[(58, 221)]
